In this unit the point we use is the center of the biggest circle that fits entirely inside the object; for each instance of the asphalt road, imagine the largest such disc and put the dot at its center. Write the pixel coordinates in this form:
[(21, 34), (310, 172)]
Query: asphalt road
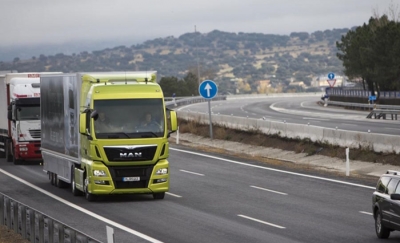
[(299, 110), (212, 199)]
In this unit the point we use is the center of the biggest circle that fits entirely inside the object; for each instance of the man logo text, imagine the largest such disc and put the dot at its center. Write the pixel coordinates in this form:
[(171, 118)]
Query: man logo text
[(130, 155)]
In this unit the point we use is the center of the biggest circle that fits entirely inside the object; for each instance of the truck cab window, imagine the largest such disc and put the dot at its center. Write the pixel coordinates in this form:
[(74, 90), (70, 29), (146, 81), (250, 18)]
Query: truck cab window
[(28, 113)]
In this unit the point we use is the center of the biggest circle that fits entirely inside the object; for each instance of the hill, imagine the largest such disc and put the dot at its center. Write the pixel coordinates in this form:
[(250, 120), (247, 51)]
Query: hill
[(238, 62)]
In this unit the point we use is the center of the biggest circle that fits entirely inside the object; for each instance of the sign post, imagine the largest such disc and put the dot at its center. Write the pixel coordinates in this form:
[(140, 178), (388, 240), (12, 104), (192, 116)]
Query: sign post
[(208, 90), (173, 99)]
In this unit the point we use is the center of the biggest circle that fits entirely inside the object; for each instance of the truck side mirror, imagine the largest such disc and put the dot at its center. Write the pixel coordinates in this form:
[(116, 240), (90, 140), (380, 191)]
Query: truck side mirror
[(9, 112), (173, 120), (82, 123), (94, 114)]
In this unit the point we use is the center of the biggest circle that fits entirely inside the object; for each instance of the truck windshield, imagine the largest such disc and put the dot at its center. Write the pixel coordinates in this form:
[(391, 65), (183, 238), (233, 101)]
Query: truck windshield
[(129, 118), (25, 113)]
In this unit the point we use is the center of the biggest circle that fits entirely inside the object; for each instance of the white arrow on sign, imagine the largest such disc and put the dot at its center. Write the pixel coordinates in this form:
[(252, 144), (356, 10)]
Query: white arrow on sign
[(208, 87)]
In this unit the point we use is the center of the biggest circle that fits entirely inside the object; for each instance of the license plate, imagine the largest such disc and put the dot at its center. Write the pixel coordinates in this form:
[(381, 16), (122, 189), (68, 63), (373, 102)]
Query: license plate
[(136, 178)]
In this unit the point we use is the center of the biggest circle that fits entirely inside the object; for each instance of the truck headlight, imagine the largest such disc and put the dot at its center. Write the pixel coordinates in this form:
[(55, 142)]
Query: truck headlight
[(99, 173), (162, 171)]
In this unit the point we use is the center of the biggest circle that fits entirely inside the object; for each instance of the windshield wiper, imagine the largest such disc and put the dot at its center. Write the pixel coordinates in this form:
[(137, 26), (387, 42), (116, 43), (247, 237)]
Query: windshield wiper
[(124, 133), (111, 135), (148, 134)]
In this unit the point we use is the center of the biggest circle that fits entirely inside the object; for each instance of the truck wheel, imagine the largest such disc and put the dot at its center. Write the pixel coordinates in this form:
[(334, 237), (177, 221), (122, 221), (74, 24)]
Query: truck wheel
[(60, 183), (159, 196), (74, 190), (16, 161), (51, 177), (8, 148), (3, 153), (90, 197)]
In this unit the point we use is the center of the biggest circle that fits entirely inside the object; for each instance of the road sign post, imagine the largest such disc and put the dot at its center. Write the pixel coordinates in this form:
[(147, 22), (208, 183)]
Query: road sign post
[(208, 90)]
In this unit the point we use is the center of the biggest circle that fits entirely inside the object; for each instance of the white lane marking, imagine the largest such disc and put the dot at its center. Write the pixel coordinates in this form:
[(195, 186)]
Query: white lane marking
[(190, 172), (347, 124), (272, 169), (312, 118), (392, 128), (171, 194), (260, 221), (94, 215), (302, 104), (366, 212), (268, 190)]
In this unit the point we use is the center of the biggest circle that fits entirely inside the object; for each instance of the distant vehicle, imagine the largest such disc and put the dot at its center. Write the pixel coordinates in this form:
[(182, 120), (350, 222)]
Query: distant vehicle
[(20, 117), (106, 133), (386, 204)]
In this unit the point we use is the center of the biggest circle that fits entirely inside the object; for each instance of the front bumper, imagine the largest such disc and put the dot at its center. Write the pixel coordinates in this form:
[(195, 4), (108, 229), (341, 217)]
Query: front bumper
[(113, 183)]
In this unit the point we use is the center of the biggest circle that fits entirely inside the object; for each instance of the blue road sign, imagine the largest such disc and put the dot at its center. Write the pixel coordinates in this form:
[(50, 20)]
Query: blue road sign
[(208, 89), (331, 76)]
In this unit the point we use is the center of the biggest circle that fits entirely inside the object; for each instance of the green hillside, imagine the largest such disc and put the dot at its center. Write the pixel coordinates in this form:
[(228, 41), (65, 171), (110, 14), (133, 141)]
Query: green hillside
[(236, 61)]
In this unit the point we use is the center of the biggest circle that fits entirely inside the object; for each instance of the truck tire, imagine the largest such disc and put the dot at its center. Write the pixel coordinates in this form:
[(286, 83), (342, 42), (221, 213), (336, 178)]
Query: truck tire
[(8, 147), (3, 153), (159, 195), (51, 177), (60, 183), (89, 196), (16, 161)]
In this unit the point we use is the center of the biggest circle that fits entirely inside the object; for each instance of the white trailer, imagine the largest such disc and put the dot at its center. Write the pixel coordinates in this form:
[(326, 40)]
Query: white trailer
[(20, 131)]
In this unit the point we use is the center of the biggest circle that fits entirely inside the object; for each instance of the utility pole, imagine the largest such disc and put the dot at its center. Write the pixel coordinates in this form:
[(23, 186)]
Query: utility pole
[(197, 57)]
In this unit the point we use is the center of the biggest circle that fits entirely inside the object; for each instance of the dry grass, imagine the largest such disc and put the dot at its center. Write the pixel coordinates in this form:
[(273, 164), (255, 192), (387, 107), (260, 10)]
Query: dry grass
[(254, 136), (10, 236)]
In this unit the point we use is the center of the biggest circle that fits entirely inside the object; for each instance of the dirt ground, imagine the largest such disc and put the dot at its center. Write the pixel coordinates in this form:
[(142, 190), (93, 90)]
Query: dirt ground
[(10, 236)]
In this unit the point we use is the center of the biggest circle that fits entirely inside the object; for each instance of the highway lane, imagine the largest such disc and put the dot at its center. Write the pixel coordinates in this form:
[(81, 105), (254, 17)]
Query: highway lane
[(299, 110), (215, 200)]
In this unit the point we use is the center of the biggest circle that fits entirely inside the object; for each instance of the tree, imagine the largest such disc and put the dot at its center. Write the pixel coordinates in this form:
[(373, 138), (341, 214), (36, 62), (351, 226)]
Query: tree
[(169, 85), (372, 52), (191, 82)]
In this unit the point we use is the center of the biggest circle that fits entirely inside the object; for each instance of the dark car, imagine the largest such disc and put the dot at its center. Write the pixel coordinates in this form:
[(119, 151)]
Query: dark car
[(386, 204)]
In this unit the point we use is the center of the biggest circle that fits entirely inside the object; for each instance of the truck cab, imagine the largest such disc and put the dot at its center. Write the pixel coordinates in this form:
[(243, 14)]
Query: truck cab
[(114, 139)]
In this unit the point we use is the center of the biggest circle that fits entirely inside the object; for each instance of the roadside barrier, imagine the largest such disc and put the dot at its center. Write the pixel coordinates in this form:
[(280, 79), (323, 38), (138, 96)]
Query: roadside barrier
[(36, 226)]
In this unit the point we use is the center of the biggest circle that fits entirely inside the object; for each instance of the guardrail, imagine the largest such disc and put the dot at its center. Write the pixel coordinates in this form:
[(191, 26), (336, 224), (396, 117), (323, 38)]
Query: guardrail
[(36, 226), (360, 105), (190, 100), (377, 111), (381, 113)]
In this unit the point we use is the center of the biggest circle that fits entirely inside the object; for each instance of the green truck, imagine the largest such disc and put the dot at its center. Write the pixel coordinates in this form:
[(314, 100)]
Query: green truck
[(106, 133)]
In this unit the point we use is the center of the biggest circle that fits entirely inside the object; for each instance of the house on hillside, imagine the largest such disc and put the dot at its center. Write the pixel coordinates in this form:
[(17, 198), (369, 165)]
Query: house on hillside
[(263, 86), (299, 84)]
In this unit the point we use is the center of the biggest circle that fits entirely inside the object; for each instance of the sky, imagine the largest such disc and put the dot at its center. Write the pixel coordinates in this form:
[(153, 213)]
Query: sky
[(38, 22)]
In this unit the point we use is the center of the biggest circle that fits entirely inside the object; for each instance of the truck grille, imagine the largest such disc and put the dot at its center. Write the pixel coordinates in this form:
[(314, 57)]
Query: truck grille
[(130, 153), (144, 172), (35, 133)]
